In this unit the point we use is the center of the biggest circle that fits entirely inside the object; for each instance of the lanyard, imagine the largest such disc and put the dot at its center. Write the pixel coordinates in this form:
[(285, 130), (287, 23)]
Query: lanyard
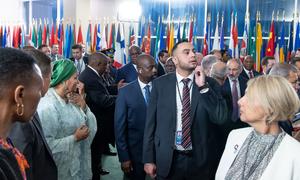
[(180, 96)]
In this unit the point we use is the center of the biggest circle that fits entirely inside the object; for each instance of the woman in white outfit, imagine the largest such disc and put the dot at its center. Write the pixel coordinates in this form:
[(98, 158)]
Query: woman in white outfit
[(263, 151)]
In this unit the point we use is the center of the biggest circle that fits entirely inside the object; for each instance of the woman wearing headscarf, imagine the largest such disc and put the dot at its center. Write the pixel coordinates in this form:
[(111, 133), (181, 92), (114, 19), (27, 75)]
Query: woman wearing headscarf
[(68, 123), (20, 91), (263, 151)]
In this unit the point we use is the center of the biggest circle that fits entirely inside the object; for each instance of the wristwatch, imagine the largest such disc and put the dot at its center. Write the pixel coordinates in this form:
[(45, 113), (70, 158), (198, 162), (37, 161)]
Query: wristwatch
[(204, 89)]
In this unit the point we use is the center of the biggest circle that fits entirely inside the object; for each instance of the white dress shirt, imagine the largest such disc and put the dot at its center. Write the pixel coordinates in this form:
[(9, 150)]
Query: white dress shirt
[(143, 85), (80, 65), (179, 86)]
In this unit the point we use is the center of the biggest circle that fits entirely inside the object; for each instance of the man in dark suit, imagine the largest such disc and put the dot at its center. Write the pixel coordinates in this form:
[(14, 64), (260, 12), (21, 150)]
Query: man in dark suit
[(29, 137), (178, 140), (129, 71), (232, 90), (130, 117), (79, 60), (248, 71), (162, 59), (102, 104)]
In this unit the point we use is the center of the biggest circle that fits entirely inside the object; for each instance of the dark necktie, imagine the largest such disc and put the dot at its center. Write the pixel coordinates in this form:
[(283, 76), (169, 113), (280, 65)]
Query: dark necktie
[(186, 115), (147, 93), (235, 98), (251, 74)]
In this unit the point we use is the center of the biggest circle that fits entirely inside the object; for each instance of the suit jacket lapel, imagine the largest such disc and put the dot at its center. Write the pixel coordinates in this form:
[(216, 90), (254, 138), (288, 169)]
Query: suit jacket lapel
[(172, 92), (194, 103), (140, 95)]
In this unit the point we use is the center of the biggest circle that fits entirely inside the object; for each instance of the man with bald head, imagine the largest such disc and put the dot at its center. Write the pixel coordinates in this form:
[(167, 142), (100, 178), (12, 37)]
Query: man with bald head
[(130, 117), (129, 71), (102, 104), (248, 71), (218, 72)]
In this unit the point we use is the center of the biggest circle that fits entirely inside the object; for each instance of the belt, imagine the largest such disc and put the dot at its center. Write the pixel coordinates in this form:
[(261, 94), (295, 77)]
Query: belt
[(184, 152)]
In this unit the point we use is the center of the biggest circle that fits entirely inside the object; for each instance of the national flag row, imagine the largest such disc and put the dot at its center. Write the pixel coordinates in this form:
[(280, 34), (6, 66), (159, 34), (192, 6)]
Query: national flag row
[(98, 37)]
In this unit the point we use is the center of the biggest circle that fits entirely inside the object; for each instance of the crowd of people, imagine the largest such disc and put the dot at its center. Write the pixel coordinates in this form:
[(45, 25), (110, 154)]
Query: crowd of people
[(181, 116)]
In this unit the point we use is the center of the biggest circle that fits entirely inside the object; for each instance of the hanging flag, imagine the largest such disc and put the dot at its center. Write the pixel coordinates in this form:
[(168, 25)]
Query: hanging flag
[(98, 44), (205, 43), (16, 37), (157, 37), (111, 43), (168, 37), (8, 38), (216, 42), (40, 34), (148, 40), (103, 38), (120, 55), (184, 31), (60, 38), (231, 41), (171, 40), (132, 38), (178, 33), (34, 36), (162, 41), (22, 39), (44, 34), (1, 36), (290, 42), (244, 43), (4, 37), (235, 39), (222, 46), (281, 44), (79, 37), (89, 39), (66, 40), (297, 38), (141, 31), (191, 29), (94, 39), (271, 43), (259, 43)]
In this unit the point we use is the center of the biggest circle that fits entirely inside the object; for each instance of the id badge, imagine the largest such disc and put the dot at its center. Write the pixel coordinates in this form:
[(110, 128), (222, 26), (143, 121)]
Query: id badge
[(178, 137)]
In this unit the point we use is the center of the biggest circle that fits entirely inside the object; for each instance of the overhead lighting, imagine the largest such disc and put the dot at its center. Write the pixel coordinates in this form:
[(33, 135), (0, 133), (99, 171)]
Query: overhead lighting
[(129, 11)]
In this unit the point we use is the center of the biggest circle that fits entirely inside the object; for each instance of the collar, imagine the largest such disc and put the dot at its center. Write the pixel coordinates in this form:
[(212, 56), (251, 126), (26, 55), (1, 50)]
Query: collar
[(179, 77), (93, 70), (142, 85), (247, 71)]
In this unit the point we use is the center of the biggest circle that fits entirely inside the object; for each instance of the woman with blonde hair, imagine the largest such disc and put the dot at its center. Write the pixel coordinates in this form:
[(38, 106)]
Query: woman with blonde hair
[(263, 151)]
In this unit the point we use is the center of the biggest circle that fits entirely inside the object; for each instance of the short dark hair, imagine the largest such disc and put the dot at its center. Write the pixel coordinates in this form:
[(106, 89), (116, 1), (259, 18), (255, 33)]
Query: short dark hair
[(143, 56), (97, 57), (294, 60), (265, 59), (177, 44), (162, 52), (42, 46), (42, 60), (77, 46), (16, 67)]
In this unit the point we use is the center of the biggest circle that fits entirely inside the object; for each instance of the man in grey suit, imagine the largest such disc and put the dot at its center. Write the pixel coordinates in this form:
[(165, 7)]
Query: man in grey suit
[(179, 142), (29, 137)]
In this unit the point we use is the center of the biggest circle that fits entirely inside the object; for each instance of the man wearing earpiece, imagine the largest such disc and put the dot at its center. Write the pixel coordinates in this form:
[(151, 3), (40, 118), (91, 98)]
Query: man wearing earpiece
[(130, 116)]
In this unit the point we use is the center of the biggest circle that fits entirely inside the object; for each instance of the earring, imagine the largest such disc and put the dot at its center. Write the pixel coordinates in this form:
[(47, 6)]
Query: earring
[(19, 111)]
